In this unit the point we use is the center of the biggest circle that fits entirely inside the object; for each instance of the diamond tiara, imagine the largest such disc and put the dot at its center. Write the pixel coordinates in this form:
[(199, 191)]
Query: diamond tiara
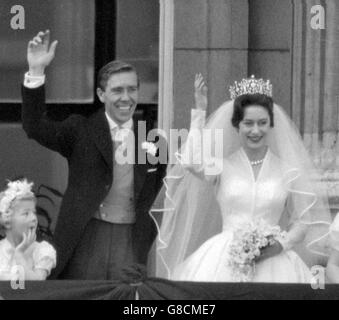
[(251, 86)]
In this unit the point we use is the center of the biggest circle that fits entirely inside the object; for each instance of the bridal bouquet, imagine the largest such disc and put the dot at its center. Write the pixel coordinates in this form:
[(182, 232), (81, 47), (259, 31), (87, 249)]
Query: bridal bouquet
[(247, 242)]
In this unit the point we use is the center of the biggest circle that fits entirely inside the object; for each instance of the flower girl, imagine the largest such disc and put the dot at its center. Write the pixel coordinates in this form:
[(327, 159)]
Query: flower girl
[(21, 256)]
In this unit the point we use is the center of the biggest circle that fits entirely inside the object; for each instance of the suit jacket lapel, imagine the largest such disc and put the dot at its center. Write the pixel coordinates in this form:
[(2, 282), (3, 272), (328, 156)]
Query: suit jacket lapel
[(100, 132), (140, 169)]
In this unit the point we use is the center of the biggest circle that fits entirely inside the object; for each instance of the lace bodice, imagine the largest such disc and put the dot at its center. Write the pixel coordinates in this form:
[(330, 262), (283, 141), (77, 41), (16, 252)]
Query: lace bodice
[(242, 197)]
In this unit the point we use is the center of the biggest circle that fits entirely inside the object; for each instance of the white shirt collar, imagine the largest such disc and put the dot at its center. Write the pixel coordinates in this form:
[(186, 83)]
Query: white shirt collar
[(112, 124)]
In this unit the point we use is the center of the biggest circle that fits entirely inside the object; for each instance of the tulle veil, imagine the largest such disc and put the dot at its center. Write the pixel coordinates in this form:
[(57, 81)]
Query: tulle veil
[(186, 211)]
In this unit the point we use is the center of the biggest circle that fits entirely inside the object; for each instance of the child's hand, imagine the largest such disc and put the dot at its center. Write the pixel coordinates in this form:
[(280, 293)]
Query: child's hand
[(28, 239)]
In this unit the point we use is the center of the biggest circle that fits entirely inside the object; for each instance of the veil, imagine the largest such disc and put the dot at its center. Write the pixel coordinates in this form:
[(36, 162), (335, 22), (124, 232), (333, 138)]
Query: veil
[(187, 213)]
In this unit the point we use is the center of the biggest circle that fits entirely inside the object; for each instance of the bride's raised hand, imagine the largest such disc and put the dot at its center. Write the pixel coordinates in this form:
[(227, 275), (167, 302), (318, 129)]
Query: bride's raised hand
[(200, 92)]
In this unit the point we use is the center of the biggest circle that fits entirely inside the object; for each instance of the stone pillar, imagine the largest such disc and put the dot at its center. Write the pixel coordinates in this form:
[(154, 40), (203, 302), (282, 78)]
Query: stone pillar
[(74, 53), (166, 43), (313, 65), (211, 37), (314, 76), (315, 86), (297, 64), (330, 121), (269, 53)]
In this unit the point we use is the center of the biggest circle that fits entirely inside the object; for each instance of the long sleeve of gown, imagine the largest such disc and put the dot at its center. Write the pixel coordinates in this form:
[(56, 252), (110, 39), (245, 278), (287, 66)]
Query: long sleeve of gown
[(295, 235), (296, 230), (194, 157)]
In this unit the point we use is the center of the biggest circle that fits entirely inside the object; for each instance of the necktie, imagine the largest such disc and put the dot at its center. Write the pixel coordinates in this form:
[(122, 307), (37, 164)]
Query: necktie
[(115, 134)]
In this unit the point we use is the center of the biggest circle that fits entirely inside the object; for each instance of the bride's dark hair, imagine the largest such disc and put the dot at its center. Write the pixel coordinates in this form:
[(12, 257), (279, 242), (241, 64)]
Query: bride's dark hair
[(246, 100)]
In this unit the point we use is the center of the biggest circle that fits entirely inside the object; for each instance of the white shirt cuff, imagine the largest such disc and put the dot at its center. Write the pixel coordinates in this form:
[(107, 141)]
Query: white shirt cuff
[(33, 82)]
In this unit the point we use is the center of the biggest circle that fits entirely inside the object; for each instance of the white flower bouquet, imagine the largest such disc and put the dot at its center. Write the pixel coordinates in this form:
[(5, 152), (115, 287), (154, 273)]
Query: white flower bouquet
[(248, 240)]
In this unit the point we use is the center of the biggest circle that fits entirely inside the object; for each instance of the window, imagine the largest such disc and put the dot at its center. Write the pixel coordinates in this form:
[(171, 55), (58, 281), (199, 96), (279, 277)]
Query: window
[(71, 74), (137, 41), (90, 34)]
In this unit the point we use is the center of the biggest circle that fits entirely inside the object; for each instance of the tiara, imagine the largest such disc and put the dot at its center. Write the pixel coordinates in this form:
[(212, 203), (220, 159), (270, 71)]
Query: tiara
[(251, 86)]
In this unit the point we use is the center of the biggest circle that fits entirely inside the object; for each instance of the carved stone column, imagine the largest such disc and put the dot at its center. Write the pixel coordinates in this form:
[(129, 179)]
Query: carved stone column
[(315, 88), (211, 37)]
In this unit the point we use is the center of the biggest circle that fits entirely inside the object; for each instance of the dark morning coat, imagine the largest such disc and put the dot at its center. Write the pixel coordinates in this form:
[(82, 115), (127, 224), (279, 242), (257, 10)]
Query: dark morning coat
[(87, 145)]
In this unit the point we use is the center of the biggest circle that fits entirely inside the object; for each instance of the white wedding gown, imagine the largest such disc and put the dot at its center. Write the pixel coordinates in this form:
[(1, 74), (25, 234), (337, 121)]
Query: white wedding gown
[(243, 197)]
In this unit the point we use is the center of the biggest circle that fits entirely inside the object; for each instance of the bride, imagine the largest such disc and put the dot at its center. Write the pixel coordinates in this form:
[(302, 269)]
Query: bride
[(257, 168)]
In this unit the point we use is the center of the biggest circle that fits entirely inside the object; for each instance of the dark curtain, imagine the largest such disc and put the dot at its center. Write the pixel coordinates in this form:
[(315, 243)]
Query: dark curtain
[(105, 25)]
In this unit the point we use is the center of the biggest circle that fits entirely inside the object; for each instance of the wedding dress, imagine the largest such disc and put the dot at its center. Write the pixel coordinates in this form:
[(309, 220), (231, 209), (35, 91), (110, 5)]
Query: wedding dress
[(242, 198), (196, 216)]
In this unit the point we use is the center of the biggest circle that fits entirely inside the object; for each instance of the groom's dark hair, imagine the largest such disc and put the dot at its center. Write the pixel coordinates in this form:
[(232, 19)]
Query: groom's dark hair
[(246, 100), (113, 67)]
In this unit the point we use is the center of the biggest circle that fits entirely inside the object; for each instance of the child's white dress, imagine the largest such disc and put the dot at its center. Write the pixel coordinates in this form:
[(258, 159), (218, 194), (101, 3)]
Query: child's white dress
[(40, 255)]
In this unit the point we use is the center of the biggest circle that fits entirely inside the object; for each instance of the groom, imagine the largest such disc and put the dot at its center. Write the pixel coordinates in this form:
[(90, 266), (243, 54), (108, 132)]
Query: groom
[(103, 224)]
